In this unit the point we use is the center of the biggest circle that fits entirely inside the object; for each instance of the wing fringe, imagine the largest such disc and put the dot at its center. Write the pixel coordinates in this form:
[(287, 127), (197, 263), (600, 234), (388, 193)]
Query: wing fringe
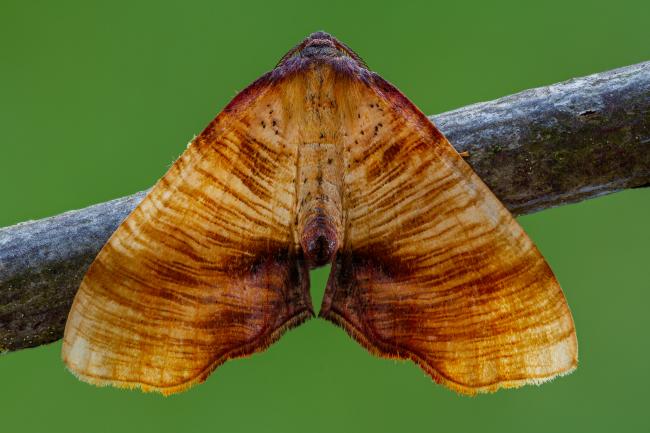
[(374, 349), (257, 345)]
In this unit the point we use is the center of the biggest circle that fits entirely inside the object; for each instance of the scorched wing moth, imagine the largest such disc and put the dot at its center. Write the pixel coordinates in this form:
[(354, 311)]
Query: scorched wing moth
[(320, 161)]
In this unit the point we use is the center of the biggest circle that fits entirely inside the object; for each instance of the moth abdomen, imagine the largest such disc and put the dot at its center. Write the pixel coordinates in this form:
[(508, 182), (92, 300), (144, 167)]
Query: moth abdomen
[(320, 212), (319, 240)]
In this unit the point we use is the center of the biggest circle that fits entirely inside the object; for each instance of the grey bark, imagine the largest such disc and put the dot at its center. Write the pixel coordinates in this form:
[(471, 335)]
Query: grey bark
[(536, 149), (562, 143)]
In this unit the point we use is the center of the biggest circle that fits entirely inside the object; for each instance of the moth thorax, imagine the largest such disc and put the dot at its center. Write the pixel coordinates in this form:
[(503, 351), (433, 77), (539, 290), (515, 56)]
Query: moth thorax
[(319, 212)]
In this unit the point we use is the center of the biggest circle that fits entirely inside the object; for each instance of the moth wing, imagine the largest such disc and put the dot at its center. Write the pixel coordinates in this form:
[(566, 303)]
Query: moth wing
[(205, 268), (433, 267)]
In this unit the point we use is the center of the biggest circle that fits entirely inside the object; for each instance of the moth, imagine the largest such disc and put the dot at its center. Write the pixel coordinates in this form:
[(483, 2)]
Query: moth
[(320, 161)]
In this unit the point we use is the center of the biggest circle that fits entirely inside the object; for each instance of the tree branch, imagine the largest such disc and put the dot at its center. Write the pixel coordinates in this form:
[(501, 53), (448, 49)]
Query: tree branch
[(559, 144), (536, 149)]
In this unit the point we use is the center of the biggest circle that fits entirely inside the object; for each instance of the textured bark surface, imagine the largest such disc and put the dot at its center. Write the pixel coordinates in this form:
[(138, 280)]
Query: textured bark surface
[(536, 149), (41, 265), (559, 144)]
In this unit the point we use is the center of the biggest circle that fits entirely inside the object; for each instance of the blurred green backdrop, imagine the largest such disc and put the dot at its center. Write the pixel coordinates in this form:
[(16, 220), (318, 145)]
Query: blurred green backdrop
[(98, 98)]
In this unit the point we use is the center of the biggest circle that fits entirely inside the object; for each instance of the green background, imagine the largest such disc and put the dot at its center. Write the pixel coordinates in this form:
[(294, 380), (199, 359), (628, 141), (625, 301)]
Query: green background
[(97, 99)]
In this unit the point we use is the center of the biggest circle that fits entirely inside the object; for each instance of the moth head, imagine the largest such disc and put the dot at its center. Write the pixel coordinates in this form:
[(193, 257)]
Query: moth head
[(321, 46)]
